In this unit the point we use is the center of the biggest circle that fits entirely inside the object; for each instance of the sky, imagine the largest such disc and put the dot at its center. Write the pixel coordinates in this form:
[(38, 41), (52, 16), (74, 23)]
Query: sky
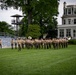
[(60, 8), (5, 15)]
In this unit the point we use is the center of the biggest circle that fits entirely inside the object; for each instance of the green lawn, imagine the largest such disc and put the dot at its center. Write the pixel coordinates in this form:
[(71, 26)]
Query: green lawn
[(38, 62)]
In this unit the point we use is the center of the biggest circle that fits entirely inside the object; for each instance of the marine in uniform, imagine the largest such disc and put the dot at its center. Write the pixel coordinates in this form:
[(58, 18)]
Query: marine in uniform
[(0, 43)]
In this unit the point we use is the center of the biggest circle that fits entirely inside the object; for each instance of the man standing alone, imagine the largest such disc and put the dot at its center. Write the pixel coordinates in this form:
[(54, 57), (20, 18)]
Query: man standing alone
[(12, 43), (0, 43)]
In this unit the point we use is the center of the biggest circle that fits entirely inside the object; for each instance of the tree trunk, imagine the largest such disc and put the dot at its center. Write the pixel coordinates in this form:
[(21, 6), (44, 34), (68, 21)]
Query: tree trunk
[(30, 17), (29, 12)]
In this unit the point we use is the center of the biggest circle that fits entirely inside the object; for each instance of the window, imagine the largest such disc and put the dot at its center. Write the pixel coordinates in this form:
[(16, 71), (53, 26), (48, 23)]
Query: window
[(61, 32), (64, 21), (69, 21), (74, 33), (69, 10), (65, 11), (68, 32), (74, 10), (74, 21)]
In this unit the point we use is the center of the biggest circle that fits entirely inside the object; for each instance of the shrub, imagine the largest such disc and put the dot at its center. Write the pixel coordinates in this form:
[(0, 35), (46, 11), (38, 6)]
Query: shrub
[(72, 41), (33, 31)]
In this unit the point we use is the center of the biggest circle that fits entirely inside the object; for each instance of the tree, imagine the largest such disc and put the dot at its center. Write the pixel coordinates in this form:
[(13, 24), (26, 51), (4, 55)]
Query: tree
[(33, 31), (41, 12), (5, 27), (32, 8)]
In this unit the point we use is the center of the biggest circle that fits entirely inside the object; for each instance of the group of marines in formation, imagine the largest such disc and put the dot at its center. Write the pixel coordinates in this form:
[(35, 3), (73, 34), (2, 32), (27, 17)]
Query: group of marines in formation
[(39, 43)]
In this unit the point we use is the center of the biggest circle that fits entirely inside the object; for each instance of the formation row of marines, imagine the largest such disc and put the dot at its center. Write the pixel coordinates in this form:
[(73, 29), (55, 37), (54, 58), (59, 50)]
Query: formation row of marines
[(39, 43)]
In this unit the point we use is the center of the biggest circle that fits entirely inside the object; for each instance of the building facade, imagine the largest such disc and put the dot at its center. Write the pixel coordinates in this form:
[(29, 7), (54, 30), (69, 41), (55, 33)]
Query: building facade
[(68, 27)]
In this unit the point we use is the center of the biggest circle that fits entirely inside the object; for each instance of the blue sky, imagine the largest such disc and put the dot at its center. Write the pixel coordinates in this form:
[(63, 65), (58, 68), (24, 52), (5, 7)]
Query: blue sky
[(5, 14)]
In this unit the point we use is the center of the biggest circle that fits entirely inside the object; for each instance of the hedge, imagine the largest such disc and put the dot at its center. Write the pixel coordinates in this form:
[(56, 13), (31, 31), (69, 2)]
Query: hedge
[(72, 41)]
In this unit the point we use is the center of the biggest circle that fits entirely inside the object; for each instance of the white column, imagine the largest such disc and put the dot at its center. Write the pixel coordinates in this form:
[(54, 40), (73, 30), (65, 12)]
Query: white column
[(71, 11), (67, 11), (65, 33), (72, 32), (58, 34)]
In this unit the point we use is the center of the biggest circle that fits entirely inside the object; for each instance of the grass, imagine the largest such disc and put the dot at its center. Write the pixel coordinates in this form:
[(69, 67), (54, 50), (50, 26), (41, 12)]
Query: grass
[(38, 62)]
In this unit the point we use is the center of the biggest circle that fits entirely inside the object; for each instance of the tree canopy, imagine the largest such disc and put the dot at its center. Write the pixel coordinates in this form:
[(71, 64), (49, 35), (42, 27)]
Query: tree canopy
[(41, 12), (5, 27), (34, 9), (33, 31)]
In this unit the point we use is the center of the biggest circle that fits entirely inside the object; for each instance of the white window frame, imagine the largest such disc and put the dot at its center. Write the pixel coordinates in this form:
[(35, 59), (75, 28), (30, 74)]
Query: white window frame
[(74, 33), (61, 31), (69, 11), (68, 32), (64, 21), (75, 21), (69, 21), (75, 11)]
